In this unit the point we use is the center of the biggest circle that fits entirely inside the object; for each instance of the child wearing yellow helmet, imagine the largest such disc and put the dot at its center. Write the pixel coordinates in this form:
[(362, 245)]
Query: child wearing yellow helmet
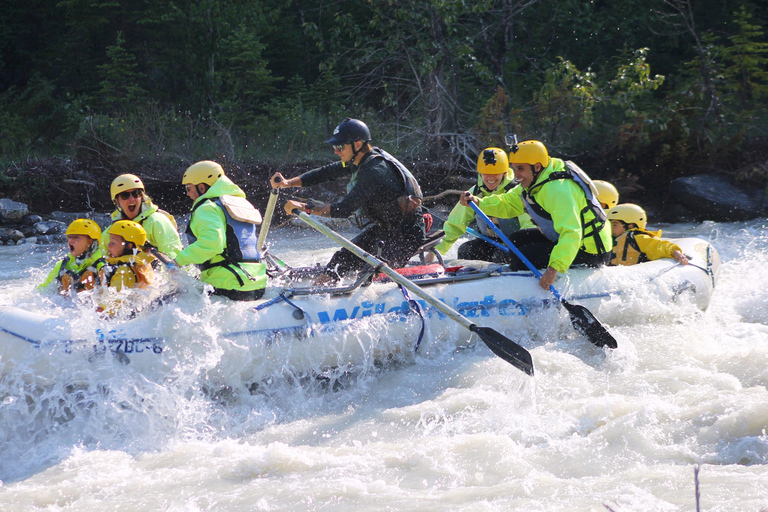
[(77, 272), (128, 265), (633, 243)]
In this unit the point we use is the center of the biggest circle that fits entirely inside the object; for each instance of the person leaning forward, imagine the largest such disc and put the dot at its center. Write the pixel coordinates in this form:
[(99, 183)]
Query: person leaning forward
[(380, 186), (211, 241), (572, 227)]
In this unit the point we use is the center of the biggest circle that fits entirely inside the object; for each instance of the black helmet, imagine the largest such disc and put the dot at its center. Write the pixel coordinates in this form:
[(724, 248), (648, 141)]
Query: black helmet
[(348, 131)]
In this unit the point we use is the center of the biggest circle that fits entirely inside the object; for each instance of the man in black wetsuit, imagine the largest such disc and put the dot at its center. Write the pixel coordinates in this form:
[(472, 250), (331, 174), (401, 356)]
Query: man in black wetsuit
[(380, 186)]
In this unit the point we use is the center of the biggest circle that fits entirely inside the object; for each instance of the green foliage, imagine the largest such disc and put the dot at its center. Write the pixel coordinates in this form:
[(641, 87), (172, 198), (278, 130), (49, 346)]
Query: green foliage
[(119, 87), (633, 82), (436, 79), (36, 119), (245, 80), (490, 128), (566, 100), (747, 71)]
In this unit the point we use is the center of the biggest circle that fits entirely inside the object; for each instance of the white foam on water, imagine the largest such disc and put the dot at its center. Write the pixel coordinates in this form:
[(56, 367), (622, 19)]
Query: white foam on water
[(441, 430)]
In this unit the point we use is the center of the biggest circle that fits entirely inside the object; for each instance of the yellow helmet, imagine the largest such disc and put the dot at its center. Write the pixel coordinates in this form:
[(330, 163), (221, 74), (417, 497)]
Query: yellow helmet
[(205, 171), (529, 152), (629, 214), (493, 161), (124, 182), (84, 227), (130, 231), (606, 194)]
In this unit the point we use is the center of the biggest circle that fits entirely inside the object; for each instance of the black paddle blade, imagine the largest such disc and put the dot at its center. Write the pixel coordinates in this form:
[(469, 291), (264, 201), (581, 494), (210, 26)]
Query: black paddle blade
[(586, 323), (505, 348)]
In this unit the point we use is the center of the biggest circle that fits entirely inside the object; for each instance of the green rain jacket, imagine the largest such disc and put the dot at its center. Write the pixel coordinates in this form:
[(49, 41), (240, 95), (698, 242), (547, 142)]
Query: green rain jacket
[(461, 217), (564, 200), (94, 262), (209, 225), (161, 230)]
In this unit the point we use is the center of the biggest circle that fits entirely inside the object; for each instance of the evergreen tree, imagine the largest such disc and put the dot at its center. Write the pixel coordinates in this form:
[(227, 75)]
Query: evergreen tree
[(119, 90), (747, 74)]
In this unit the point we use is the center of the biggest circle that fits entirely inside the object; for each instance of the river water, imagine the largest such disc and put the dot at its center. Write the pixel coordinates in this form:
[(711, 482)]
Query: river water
[(621, 430)]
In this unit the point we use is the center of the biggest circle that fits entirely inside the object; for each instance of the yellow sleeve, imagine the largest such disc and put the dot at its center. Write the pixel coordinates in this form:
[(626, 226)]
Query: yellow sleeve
[(51, 276), (655, 248)]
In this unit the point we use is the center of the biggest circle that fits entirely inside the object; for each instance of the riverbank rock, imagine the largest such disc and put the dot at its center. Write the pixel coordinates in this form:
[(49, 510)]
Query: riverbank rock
[(19, 227), (11, 210), (10, 235), (715, 197)]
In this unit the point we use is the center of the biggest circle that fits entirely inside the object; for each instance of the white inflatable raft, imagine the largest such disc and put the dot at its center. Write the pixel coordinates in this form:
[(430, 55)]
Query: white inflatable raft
[(289, 332)]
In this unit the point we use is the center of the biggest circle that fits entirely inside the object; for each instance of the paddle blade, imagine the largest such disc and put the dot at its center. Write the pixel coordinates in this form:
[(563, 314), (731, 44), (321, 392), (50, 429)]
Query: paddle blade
[(505, 348), (585, 322)]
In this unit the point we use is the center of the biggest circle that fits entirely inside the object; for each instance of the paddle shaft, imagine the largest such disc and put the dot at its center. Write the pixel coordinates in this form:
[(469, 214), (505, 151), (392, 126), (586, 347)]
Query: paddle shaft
[(384, 268), (157, 254), (501, 346), (581, 318), (267, 219), (512, 247), (474, 233)]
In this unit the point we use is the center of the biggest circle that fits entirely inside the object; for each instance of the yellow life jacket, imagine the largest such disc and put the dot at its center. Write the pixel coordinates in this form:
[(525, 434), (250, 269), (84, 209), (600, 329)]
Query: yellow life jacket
[(128, 271), (626, 251)]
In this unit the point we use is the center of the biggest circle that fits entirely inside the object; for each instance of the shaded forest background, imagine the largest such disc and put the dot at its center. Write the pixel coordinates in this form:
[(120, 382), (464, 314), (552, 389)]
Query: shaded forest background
[(638, 92)]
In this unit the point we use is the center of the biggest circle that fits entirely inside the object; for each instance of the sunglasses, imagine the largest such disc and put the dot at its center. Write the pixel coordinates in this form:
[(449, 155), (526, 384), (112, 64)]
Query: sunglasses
[(128, 194), (339, 148)]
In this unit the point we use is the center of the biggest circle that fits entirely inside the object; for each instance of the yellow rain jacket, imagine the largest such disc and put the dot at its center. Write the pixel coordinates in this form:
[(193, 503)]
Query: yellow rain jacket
[(208, 226), (637, 246), (73, 275)]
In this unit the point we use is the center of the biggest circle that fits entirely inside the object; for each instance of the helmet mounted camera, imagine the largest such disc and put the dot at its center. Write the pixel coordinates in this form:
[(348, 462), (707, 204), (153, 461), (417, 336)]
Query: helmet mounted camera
[(489, 157)]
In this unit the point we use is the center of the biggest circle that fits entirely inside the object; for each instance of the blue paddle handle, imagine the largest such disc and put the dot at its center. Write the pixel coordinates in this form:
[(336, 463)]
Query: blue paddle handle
[(487, 239), (509, 244)]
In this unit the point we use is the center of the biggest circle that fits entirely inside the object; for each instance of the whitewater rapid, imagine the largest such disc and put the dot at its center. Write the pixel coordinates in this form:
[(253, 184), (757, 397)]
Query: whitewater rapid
[(458, 430)]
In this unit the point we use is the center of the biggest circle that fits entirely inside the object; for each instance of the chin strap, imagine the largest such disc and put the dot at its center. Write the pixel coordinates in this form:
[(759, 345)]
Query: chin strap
[(355, 152)]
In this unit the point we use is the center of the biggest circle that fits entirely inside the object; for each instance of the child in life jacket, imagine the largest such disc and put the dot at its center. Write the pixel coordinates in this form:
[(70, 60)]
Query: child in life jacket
[(633, 244), (77, 272), (128, 266)]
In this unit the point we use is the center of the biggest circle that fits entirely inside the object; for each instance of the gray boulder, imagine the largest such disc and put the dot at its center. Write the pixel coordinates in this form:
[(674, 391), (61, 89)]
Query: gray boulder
[(12, 210), (715, 197), (51, 239), (102, 219), (31, 220), (50, 227), (10, 234)]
